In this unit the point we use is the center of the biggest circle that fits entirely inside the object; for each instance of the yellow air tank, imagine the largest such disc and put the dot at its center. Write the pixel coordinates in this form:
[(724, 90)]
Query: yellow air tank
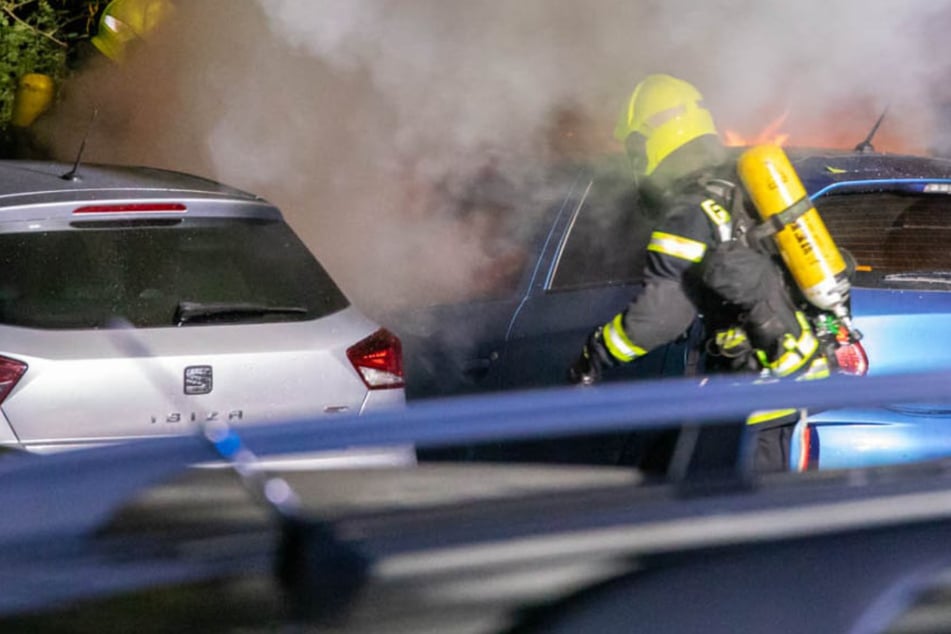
[(810, 254)]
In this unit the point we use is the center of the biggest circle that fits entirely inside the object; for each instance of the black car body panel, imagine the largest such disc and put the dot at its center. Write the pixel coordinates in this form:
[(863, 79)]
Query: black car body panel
[(584, 266), (889, 211), (582, 263)]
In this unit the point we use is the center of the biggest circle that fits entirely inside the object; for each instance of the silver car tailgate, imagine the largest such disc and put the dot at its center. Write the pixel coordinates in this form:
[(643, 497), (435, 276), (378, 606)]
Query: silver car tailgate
[(106, 384)]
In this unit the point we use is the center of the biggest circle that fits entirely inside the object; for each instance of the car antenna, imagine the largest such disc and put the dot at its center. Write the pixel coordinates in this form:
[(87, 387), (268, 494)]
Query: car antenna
[(72, 175), (866, 146)]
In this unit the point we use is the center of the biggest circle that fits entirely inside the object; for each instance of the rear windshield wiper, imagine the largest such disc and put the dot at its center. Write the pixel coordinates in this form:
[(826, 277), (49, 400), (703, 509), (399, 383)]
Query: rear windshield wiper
[(197, 311), (919, 277)]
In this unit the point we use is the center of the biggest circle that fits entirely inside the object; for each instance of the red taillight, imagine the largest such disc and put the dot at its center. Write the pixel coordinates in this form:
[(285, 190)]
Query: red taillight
[(11, 371), (379, 360), (851, 359), (132, 208)]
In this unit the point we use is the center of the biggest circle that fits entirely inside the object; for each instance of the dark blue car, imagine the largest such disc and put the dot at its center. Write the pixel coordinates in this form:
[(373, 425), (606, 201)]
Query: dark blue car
[(579, 248)]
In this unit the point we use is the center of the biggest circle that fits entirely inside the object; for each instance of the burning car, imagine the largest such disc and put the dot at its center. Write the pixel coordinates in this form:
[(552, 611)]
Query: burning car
[(582, 263)]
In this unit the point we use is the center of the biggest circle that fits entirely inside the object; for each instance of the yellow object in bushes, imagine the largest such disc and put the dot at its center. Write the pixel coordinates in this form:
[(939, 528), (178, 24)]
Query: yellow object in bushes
[(33, 97)]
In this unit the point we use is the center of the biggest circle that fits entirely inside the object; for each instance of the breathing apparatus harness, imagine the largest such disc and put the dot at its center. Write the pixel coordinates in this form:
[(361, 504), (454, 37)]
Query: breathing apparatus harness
[(830, 321)]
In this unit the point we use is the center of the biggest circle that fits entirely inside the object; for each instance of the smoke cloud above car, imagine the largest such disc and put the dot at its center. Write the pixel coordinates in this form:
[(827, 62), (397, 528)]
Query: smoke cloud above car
[(367, 120)]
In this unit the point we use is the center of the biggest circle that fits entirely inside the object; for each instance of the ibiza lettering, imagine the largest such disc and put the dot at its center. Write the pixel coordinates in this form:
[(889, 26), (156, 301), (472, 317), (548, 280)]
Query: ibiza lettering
[(172, 418)]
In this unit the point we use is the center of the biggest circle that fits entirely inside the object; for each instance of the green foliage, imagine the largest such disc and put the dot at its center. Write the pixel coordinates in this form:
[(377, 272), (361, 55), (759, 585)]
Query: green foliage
[(35, 37)]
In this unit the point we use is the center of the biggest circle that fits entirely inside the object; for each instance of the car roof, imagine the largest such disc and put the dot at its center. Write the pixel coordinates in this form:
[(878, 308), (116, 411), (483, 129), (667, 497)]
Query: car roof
[(39, 180), (822, 168)]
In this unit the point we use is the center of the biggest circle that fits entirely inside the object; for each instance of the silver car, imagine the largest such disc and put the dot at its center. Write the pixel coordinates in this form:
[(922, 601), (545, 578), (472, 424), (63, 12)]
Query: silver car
[(137, 302)]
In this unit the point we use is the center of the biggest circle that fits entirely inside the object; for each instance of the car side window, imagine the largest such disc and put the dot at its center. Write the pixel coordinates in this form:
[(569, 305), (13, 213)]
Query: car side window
[(891, 235), (606, 240)]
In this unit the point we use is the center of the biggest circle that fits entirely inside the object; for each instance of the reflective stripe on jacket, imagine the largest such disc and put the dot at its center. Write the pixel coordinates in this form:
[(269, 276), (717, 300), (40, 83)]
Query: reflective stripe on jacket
[(663, 310)]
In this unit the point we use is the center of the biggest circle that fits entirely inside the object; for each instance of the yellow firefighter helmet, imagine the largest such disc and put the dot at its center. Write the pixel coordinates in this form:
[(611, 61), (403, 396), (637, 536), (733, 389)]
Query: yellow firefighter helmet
[(663, 113), (125, 21)]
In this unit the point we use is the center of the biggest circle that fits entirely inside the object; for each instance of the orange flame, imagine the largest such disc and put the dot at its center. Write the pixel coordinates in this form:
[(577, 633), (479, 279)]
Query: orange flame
[(770, 134)]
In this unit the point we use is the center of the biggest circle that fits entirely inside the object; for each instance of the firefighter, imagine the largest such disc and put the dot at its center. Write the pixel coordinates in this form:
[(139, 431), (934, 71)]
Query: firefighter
[(701, 267)]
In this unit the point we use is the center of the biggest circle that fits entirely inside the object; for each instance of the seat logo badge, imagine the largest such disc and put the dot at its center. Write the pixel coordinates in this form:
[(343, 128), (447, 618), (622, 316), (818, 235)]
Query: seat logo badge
[(198, 379)]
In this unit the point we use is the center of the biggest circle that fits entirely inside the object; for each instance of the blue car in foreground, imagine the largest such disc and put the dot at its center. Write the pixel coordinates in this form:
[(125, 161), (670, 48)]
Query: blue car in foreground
[(579, 244), (893, 213)]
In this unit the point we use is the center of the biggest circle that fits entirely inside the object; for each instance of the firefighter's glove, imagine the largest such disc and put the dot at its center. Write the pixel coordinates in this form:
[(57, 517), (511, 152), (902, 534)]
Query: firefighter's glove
[(733, 349), (586, 370), (731, 343), (797, 357), (818, 368)]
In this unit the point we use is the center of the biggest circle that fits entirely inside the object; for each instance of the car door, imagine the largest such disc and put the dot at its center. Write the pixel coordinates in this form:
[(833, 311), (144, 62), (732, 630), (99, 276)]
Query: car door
[(588, 273)]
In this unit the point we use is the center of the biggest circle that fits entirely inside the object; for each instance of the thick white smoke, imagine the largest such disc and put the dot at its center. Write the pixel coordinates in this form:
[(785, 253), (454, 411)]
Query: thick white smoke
[(357, 117)]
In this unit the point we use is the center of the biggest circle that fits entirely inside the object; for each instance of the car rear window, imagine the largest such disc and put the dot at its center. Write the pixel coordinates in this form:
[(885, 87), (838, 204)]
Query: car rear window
[(219, 270), (891, 235)]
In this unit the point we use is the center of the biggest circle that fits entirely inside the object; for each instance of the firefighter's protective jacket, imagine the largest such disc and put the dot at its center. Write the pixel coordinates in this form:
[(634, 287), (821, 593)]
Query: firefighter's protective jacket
[(699, 265)]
